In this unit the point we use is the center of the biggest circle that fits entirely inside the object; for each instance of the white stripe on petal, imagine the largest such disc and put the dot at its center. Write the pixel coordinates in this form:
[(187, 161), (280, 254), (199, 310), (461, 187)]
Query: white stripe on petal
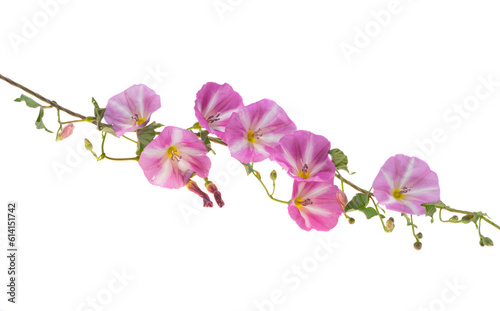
[(140, 102), (306, 218), (317, 210), (239, 145), (389, 179), (211, 104), (165, 172), (121, 108), (267, 118), (408, 172)]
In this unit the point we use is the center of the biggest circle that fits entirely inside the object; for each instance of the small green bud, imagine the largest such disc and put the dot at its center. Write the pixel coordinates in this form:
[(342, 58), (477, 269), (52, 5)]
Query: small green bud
[(454, 218), (487, 241), (257, 174), (467, 218), (390, 224), (417, 246), (274, 175), (420, 235), (88, 145), (197, 126), (481, 242), (352, 220)]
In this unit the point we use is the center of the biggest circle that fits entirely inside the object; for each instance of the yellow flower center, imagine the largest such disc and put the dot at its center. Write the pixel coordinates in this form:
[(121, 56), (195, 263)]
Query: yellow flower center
[(298, 202), (304, 173), (398, 194), (140, 120), (173, 154), (301, 203), (251, 137)]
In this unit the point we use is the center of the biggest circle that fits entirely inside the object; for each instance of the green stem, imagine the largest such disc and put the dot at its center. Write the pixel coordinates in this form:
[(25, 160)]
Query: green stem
[(103, 155), (129, 139), (379, 215), (121, 159), (413, 228), (267, 191)]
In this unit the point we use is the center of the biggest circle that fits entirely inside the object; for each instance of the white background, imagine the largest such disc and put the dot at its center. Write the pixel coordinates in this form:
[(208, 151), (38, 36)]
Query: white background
[(97, 219)]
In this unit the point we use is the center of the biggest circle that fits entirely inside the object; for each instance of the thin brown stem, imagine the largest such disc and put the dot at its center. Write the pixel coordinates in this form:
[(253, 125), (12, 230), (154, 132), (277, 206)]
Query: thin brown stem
[(337, 174), (42, 98)]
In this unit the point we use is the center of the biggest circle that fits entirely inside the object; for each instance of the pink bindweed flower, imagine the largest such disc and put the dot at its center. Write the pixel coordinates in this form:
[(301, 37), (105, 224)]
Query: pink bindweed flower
[(131, 109), (304, 156), (404, 183), (66, 131), (257, 128), (214, 105), (173, 157), (314, 205)]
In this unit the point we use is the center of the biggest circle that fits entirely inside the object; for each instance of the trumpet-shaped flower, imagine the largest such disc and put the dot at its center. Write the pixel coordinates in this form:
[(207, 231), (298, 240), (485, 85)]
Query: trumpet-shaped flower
[(314, 205), (404, 183), (173, 157), (214, 105), (256, 129), (304, 156), (131, 109)]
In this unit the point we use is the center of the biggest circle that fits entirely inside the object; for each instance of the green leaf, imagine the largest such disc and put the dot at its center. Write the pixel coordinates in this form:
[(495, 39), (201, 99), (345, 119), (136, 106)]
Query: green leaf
[(145, 135), (369, 212), (98, 113), (106, 128), (408, 220), (28, 100), (248, 168), (39, 121), (359, 201), (94, 102), (206, 141), (339, 159), (431, 208)]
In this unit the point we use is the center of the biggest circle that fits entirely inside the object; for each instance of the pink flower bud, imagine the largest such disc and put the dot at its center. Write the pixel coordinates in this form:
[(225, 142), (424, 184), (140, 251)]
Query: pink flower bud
[(341, 199), (212, 188), (193, 187), (66, 131)]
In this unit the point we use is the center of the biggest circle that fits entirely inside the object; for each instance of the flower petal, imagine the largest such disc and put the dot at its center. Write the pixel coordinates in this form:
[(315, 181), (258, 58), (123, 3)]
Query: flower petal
[(214, 105)]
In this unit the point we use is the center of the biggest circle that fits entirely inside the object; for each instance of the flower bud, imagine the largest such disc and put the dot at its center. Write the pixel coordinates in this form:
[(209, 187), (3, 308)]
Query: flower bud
[(193, 187), (390, 224), (417, 246), (467, 218), (341, 199), (454, 218), (487, 241), (352, 220), (481, 242), (212, 188), (66, 131), (88, 145), (420, 235), (274, 175)]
